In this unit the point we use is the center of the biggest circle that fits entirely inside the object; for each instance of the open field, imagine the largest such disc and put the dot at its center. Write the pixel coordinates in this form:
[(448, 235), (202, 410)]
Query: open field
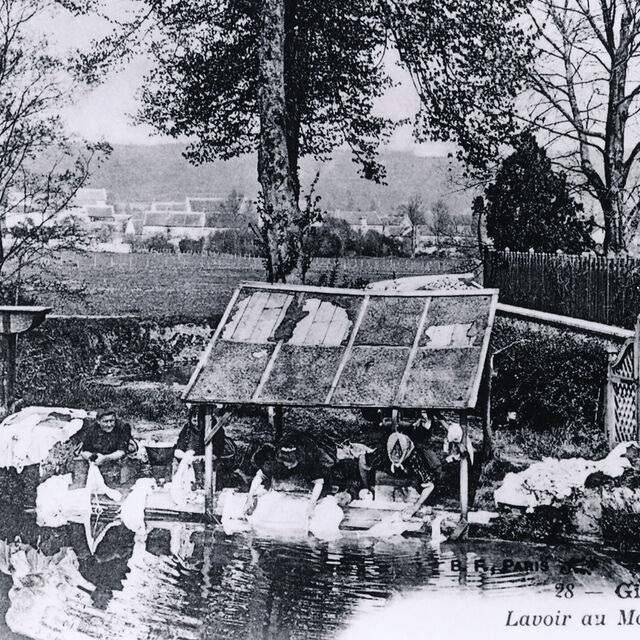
[(198, 287)]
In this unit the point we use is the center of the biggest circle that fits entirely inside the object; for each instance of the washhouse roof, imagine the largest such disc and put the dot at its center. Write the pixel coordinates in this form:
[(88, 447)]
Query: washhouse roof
[(315, 346)]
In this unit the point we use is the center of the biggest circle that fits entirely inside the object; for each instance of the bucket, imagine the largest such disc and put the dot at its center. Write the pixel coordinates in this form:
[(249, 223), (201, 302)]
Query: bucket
[(160, 453), (160, 457)]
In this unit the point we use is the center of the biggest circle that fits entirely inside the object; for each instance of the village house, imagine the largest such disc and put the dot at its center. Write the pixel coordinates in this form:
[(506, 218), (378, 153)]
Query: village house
[(86, 197), (100, 215), (176, 224), (194, 218)]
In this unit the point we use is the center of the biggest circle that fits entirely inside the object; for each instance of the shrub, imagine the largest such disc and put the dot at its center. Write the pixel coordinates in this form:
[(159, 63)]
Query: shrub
[(189, 245), (544, 524), (159, 243), (551, 379), (621, 528)]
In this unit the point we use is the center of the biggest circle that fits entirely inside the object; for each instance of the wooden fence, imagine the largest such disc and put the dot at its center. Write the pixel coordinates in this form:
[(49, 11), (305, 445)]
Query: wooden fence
[(603, 290)]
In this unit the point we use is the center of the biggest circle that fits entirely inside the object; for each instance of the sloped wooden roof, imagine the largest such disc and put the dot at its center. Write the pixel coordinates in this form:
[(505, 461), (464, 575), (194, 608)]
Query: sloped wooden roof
[(314, 346)]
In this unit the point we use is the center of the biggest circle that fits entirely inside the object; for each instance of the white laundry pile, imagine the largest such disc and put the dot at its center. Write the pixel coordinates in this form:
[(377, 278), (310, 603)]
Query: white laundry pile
[(551, 481), (28, 436)]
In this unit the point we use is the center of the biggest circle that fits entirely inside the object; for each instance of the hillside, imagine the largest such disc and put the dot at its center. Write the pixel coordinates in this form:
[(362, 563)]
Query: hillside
[(160, 172)]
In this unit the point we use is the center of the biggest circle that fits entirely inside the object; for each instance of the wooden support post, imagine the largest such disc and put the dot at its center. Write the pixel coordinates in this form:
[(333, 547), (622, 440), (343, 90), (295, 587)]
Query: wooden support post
[(275, 421), (464, 472), (610, 401), (209, 470), (636, 373), (487, 431), (11, 340)]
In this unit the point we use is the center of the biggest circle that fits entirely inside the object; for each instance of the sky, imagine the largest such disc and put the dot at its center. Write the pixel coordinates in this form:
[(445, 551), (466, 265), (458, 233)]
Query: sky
[(105, 112)]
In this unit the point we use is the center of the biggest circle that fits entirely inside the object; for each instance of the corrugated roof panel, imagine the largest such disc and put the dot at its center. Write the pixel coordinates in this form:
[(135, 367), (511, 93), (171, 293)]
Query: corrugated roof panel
[(302, 373), (390, 321), (232, 373), (371, 376), (313, 346)]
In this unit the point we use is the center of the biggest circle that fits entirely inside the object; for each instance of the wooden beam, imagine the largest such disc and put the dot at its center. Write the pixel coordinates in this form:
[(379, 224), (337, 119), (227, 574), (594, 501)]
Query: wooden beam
[(610, 407), (347, 351), (577, 324), (402, 387), (287, 288), (473, 394), (487, 430), (267, 372), (464, 471), (209, 470), (207, 352), (275, 421)]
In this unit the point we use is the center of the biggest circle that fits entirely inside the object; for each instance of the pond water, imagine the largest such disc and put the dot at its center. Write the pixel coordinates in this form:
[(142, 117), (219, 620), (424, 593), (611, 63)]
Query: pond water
[(193, 581)]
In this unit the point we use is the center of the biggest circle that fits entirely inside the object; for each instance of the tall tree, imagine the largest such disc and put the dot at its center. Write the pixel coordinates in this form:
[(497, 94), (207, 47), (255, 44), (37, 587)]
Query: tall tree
[(41, 168), (290, 78), (441, 226), (529, 206), (587, 96), (413, 209), (566, 68)]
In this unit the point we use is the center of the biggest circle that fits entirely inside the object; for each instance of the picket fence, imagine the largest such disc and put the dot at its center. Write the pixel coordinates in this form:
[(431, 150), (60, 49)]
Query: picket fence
[(594, 288)]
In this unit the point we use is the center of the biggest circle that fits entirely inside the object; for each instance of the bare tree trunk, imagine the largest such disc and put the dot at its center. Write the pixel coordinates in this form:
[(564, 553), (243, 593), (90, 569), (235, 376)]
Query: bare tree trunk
[(275, 172)]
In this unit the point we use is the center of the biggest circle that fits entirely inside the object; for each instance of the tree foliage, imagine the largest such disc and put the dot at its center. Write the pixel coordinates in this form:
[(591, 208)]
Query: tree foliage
[(413, 209), (467, 60), (334, 238), (529, 206), (41, 168), (290, 78)]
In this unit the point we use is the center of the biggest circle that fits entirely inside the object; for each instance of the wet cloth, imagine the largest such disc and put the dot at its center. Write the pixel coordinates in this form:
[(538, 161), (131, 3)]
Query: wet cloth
[(95, 440), (28, 436), (420, 467)]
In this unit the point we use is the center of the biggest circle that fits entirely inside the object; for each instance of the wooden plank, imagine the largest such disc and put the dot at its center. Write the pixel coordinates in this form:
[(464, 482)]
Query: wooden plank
[(347, 352), (464, 472), (231, 326), (311, 305), (250, 317), (338, 329), (206, 354), (564, 321), (473, 395), (274, 310), (402, 388), (321, 324), (209, 471)]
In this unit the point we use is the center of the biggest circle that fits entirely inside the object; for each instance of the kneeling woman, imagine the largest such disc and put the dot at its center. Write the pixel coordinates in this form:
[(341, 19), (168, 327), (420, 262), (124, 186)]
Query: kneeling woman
[(190, 444), (297, 463)]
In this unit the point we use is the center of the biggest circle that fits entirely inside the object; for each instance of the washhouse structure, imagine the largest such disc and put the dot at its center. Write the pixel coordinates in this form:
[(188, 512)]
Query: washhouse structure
[(282, 346)]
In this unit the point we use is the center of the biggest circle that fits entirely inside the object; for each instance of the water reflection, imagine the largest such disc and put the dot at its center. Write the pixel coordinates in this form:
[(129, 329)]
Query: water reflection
[(191, 581)]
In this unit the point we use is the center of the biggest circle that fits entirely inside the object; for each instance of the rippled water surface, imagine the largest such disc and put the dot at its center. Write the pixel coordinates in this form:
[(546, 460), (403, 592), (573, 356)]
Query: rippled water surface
[(192, 581)]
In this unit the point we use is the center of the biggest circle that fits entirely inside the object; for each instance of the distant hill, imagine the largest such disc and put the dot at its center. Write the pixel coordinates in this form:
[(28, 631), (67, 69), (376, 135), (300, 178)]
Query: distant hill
[(160, 172)]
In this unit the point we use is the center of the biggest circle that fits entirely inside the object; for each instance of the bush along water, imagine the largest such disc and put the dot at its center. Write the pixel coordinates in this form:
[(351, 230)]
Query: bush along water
[(552, 382), (59, 363)]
